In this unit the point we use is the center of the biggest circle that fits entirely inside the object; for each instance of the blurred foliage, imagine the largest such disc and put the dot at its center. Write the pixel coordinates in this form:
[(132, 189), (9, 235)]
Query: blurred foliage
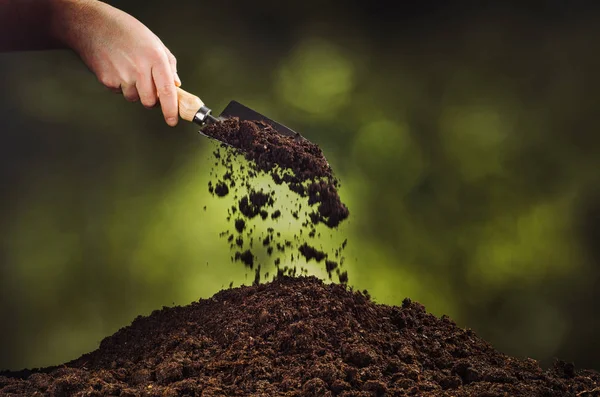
[(464, 137)]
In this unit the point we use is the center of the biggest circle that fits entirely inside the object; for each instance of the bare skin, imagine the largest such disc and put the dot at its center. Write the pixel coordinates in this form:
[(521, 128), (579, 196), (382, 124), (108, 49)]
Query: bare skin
[(122, 52)]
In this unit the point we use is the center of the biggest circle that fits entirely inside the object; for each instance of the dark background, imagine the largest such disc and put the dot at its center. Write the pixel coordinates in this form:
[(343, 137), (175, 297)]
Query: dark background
[(465, 135)]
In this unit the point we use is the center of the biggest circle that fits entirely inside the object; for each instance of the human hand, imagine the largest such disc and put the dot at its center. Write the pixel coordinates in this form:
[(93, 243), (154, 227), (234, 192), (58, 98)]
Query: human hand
[(122, 52)]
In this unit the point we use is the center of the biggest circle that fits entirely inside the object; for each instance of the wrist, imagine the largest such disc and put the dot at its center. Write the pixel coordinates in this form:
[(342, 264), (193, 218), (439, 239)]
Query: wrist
[(67, 20)]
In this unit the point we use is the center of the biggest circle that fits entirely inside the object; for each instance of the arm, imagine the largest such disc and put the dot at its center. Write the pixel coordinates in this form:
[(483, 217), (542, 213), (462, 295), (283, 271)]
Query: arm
[(124, 54), (26, 25)]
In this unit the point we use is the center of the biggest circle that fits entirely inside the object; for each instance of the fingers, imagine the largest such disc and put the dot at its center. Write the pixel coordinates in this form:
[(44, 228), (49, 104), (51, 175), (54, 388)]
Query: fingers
[(130, 92), (173, 63), (147, 90), (167, 93)]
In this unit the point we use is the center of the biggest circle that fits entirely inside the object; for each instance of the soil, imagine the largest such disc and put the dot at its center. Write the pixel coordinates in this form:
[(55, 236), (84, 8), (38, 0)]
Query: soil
[(311, 253), (273, 152), (246, 257), (253, 204), (221, 189), (291, 161), (240, 225), (298, 337)]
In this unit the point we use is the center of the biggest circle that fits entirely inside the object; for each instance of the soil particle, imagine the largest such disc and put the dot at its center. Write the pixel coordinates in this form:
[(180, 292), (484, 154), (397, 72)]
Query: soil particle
[(298, 337), (311, 253), (329, 211), (221, 189), (253, 204), (343, 277), (240, 225), (246, 258), (330, 266)]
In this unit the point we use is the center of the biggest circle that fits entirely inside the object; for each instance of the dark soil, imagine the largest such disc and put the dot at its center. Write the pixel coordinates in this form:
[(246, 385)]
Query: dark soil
[(253, 204), (311, 253), (277, 154), (313, 199), (298, 337), (221, 189), (246, 257), (240, 225)]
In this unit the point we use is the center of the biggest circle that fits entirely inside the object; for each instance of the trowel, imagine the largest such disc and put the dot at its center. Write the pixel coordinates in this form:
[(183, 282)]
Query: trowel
[(193, 109)]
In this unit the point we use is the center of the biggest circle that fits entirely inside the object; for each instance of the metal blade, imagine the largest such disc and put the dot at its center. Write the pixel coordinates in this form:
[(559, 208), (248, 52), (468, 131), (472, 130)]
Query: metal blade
[(236, 109)]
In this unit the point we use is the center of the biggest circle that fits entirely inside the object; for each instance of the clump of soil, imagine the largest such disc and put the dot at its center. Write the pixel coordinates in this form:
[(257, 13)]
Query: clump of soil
[(246, 257), (298, 337), (240, 225), (273, 152), (291, 161), (221, 189), (253, 204), (311, 253)]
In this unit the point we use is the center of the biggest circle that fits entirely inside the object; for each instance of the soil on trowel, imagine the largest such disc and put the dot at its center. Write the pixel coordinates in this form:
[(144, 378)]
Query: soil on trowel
[(279, 154), (311, 200), (298, 337)]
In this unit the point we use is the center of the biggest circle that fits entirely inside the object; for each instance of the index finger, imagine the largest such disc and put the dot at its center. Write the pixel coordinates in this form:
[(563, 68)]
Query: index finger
[(166, 90)]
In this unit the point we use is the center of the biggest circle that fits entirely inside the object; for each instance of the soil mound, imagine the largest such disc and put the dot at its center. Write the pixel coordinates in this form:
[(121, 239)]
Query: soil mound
[(298, 337)]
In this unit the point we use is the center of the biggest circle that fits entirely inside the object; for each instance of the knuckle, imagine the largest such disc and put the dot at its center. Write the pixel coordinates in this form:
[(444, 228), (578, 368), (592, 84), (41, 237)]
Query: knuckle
[(167, 89), (107, 81), (149, 105), (149, 101), (156, 53)]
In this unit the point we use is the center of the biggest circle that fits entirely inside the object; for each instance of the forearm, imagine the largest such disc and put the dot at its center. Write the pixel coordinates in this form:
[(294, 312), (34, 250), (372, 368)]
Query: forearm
[(36, 24)]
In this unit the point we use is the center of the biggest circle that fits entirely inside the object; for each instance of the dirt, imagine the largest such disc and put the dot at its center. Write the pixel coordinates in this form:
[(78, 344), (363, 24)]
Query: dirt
[(298, 337), (246, 257), (313, 197), (276, 153), (311, 253), (253, 204), (221, 189), (240, 225)]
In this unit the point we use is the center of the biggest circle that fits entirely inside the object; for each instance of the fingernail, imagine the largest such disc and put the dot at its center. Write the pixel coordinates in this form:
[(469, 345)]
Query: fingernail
[(177, 80), (172, 121)]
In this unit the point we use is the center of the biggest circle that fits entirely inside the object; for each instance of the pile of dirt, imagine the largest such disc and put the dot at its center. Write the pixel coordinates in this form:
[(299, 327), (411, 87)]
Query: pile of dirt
[(290, 161), (298, 337)]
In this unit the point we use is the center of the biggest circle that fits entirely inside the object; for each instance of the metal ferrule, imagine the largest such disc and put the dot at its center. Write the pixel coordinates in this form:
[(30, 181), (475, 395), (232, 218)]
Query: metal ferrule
[(202, 115)]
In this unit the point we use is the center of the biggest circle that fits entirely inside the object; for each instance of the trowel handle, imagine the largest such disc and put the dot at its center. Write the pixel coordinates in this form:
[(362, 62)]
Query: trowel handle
[(191, 108)]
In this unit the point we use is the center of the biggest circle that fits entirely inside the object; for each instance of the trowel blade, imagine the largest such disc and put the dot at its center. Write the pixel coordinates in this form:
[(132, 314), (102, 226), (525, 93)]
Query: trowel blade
[(236, 109)]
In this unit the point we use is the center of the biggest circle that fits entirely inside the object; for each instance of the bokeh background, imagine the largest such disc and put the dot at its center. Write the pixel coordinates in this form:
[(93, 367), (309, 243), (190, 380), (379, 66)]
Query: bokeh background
[(465, 135)]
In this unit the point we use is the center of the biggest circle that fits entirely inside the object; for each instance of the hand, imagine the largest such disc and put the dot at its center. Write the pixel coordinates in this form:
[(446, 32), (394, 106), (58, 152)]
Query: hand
[(122, 52)]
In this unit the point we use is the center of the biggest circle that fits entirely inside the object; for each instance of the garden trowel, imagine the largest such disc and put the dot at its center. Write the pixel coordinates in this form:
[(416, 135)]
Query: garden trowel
[(191, 108)]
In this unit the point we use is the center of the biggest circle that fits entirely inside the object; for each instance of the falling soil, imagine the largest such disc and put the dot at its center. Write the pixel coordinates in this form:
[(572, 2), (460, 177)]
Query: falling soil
[(287, 161), (221, 189), (273, 152), (246, 257), (311, 253), (298, 337), (240, 225), (253, 204)]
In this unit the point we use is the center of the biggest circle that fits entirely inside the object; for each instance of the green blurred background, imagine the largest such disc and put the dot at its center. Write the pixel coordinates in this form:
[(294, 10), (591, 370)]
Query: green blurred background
[(465, 137)]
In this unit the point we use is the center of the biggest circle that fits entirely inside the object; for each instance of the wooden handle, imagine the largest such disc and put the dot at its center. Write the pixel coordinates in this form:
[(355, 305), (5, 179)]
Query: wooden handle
[(189, 104)]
